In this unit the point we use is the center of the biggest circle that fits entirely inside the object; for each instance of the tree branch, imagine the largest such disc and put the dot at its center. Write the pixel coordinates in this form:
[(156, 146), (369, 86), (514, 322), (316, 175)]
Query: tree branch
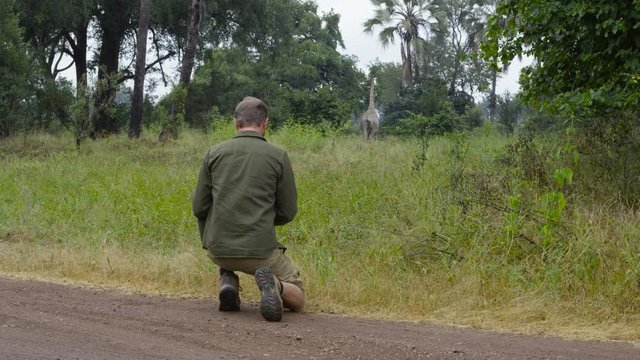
[(128, 75), (71, 42), (66, 51), (156, 45), (56, 71)]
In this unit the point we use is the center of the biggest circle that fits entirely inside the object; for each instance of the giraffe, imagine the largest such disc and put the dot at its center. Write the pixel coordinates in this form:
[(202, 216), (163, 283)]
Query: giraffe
[(370, 119)]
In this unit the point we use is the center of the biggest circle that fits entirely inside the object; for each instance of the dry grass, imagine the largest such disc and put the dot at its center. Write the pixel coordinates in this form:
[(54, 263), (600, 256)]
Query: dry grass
[(373, 238)]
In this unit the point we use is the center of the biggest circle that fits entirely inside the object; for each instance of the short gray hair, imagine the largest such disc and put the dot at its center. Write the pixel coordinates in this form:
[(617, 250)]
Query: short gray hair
[(250, 111)]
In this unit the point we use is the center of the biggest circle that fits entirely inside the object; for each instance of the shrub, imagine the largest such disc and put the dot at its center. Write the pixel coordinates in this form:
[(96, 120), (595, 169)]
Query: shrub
[(439, 123), (509, 111)]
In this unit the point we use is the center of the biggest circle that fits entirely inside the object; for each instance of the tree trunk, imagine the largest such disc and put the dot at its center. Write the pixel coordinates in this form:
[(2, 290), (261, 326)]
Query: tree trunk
[(493, 101), (106, 90), (138, 81), (409, 62), (196, 13), (454, 80), (80, 55), (78, 45), (405, 69), (113, 25), (416, 67)]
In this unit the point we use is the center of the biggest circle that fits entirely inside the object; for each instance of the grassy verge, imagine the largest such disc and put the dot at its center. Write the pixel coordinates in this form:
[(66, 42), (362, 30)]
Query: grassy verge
[(451, 231)]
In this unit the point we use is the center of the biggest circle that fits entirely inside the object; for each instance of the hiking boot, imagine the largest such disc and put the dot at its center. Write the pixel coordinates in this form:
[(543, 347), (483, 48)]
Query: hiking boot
[(229, 287), (270, 301)]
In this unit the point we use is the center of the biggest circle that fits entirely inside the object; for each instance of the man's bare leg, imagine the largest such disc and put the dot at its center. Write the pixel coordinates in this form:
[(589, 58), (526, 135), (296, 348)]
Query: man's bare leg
[(276, 295), (292, 297)]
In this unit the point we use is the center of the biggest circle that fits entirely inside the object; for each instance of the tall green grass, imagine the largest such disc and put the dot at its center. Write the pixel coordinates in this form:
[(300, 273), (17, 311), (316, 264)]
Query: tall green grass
[(447, 230)]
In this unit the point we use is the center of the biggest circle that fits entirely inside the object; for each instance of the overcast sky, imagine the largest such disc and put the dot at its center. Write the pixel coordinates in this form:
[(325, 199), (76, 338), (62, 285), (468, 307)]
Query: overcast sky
[(353, 13)]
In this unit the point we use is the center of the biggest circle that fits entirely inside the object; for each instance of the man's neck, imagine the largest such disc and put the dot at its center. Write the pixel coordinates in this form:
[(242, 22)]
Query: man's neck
[(257, 129), (249, 128)]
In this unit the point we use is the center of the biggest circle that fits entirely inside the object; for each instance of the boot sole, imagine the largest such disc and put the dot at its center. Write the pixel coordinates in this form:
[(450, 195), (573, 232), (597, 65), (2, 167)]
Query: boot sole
[(228, 299), (270, 301)]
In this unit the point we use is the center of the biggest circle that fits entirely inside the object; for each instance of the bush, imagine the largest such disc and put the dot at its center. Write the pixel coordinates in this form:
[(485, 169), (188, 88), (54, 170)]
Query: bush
[(171, 113), (509, 111), (609, 149), (427, 99), (472, 118), (440, 123)]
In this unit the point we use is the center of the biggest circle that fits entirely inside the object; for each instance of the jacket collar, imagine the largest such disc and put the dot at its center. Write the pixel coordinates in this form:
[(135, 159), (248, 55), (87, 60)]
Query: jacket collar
[(252, 134)]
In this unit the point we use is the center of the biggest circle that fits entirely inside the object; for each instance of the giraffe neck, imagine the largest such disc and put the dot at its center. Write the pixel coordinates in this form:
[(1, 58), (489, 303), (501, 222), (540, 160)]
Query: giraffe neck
[(372, 96)]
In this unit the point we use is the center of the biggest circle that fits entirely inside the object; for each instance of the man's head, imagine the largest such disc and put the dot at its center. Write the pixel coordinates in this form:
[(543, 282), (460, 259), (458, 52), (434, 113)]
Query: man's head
[(251, 113)]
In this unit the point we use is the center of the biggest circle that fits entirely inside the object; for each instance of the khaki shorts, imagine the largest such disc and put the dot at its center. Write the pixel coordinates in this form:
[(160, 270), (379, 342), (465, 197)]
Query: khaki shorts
[(278, 262)]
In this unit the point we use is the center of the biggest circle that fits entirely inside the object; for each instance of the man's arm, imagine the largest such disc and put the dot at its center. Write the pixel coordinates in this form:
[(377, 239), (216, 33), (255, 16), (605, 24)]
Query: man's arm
[(286, 194), (202, 196)]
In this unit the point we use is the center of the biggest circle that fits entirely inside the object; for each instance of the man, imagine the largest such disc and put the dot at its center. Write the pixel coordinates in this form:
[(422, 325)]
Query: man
[(245, 188)]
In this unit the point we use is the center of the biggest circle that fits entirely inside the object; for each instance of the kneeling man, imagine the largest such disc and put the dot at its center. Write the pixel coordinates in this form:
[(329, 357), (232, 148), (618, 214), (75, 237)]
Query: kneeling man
[(245, 188)]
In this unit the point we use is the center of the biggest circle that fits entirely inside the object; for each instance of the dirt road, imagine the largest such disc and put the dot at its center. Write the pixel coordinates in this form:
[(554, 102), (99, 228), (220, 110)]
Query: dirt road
[(40, 320)]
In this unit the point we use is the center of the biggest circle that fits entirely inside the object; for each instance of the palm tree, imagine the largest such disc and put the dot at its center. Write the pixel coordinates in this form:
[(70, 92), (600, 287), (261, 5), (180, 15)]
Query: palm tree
[(404, 19)]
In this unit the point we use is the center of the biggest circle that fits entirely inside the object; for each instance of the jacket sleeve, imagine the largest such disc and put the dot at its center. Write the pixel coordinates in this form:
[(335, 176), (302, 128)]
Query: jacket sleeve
[(202, 198), (286, 194)]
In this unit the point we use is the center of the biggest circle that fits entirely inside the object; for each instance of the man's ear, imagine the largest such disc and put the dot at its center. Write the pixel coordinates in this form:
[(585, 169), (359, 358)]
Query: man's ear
[(235, 123)]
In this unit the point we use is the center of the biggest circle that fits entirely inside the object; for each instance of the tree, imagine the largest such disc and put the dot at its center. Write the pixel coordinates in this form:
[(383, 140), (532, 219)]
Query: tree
[(495, 69), (587, 52), (587, 61), (15, 70), (141, 58), (509, 111), (404, 19), (50, 27), (54, 29), (76, 35), (465, 28), (388, 81), (114, 20), (196, 15), (292, 63)]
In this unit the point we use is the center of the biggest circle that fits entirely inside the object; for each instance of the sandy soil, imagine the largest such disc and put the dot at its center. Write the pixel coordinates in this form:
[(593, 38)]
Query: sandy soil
[(41, 320)]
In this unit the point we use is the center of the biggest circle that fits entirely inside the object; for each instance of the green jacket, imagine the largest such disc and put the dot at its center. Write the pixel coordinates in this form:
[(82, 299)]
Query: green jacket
[(244, 189)]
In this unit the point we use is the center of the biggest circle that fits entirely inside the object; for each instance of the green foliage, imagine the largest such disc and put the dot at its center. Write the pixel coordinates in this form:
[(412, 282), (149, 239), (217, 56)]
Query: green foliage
[(442, 122), (541, 121), (527, 157), (509, 111), (472, 118), (45, 25), (388, 81), (29, 98), (225, 77), (300, 76), (170, 113), (427, 111), (427, 99), (586, 52), (587, 61), (407, 20), (451, 54), (15, 71), (610, 151), (80, 114), (297, 136)]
